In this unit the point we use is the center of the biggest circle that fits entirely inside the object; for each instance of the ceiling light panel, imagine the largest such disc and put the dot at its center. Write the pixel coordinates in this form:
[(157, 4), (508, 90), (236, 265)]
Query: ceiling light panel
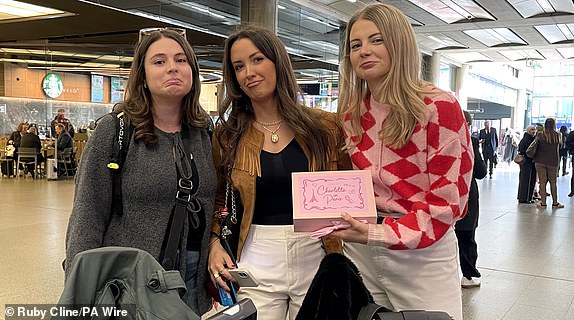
[(567, 53), (531, 8), (453, 11), (555, 33), (16, 10), (495, 37), (517, 55), (469, 57), (439, 41)]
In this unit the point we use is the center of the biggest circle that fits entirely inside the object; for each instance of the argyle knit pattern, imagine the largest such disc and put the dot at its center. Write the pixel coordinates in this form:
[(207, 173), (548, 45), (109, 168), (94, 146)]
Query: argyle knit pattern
[(422, 188)]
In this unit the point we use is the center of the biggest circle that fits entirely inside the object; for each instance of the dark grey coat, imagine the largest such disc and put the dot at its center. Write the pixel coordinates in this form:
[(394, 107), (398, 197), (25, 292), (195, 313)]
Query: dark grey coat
[(149, 184)]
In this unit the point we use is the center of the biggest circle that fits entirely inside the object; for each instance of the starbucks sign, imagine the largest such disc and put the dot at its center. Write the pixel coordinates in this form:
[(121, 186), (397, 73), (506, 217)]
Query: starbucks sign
[(52, 85)]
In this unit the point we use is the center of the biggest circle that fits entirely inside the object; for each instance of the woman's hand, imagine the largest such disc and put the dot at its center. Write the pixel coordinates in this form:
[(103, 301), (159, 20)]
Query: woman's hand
[(219, 262), (358, 232)]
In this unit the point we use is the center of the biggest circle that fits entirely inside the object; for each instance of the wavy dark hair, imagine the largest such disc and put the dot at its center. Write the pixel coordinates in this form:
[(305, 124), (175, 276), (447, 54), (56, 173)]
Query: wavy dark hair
[(236, 112), (137, 103)]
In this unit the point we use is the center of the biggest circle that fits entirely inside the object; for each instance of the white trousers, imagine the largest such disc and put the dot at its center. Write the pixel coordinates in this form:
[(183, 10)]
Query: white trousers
[(285, 263), (426, 278)]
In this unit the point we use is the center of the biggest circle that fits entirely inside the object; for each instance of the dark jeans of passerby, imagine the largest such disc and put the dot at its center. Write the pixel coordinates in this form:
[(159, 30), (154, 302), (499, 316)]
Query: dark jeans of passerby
[(572, 180), (468, 253), (526, 181), (488, 160), (562, 163)]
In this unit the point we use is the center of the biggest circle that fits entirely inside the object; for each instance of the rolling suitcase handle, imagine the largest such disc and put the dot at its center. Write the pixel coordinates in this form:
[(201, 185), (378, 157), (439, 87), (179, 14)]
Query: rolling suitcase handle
[(375, 312)]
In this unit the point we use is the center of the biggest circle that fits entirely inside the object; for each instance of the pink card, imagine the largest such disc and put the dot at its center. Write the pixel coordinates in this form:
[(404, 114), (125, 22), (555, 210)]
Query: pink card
[(321, 197)]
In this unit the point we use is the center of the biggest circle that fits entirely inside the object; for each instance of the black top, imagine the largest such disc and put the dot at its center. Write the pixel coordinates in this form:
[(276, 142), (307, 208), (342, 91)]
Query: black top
[(65, 141), (274, 200), (30, 140)]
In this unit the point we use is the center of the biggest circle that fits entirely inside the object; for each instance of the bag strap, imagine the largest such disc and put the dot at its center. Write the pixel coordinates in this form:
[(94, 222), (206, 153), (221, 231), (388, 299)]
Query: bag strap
[(118, 157), (369, 312), (187, 186), (231, 218)]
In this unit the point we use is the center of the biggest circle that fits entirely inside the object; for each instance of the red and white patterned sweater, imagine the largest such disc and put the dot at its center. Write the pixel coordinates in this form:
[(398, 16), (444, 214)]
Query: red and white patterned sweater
[(422, 188)]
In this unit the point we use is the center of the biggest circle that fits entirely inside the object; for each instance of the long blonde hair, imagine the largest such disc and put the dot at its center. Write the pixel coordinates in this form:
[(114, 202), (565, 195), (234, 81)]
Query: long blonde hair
[(402, 88)]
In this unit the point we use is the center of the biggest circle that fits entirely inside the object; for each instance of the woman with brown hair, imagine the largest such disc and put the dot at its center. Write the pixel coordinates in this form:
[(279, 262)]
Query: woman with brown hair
[(546, 160), (170, 147), (264, 135)]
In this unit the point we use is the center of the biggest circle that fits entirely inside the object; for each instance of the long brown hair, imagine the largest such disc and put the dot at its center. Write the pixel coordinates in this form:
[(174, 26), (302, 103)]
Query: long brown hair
[(236, 112), (138, 101), (403, 87), (549, 133)]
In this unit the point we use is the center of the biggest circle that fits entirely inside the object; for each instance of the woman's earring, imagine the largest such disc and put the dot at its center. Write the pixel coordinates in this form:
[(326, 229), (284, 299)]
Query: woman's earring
[(145, 85)]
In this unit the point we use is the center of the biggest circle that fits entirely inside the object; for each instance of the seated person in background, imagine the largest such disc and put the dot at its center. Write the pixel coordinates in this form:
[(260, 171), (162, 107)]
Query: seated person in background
[(61, 119), (31, 140), (16, 136), (64, 138)]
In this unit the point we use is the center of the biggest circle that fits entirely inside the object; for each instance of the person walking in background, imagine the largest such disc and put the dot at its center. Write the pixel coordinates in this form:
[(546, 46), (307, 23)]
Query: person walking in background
[(267, 136), (465, 228), (170, 146), (546, 161), (570, 146), (489, 141), (563, 151), (527, 176), (415, 141)]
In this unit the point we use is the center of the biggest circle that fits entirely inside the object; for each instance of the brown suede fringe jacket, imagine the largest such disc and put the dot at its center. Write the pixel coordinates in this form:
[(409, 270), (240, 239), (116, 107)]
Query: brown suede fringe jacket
[(247, 167)]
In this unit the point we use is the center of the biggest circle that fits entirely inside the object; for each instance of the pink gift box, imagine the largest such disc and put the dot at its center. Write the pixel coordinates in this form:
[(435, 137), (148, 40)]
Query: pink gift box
[(321, 197)]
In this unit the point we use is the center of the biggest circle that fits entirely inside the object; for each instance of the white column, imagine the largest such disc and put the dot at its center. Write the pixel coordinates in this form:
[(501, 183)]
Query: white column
[(518, 112), (459, 88), (435, 68)]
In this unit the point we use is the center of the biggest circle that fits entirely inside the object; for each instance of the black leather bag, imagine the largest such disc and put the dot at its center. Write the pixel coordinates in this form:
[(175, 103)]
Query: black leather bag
[(231, 222)]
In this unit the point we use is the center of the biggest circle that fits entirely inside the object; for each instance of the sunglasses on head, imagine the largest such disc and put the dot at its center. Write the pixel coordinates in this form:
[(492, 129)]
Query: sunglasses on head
[(147, 31)]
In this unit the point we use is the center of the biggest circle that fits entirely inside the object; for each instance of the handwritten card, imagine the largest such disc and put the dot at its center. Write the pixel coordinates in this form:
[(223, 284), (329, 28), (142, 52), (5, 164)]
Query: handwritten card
[(321, 197)]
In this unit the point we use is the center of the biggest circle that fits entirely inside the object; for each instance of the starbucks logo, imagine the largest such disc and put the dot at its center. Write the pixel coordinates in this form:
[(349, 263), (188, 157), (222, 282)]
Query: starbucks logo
[(52, 85)]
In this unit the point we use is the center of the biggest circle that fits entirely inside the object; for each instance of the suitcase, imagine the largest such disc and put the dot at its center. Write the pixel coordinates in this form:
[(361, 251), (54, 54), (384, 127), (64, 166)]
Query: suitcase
[(8, 167), (375, 312), (51, 169)]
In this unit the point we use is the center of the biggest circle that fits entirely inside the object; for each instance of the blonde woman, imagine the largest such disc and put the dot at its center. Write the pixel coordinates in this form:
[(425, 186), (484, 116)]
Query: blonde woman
[(414, 140), (546, 161)]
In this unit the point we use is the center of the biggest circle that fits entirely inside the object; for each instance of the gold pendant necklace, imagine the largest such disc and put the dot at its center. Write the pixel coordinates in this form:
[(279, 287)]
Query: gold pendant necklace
[(274, 135)]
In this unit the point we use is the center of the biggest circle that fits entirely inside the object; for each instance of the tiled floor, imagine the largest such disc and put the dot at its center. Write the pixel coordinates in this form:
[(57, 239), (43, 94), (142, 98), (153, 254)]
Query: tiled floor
[(526, 254)]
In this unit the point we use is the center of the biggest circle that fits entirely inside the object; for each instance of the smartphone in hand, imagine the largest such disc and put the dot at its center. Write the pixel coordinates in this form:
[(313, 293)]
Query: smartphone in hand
[(243, 277)]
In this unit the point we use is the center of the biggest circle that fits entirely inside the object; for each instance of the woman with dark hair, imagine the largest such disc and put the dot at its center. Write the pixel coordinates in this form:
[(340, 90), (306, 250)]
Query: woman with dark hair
[(527, 176), (170, 146), (546, 161), (264, 135)]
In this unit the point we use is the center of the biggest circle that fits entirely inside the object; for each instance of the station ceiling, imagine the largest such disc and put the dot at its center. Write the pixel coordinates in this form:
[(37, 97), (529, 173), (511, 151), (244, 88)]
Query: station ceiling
[(103, 32)]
